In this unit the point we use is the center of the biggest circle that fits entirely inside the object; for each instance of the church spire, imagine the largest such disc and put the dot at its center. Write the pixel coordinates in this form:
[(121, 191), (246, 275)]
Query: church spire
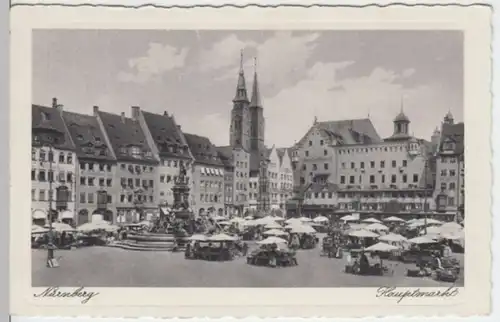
[(255, 101), (241, 88)]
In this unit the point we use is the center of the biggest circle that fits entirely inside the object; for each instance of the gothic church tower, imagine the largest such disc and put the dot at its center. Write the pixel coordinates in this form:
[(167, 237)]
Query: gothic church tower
[(257, 125), (239, 132)]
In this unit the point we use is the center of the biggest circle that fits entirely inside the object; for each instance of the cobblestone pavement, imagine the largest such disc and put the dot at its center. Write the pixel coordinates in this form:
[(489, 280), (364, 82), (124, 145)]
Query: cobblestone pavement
[(112, 267)]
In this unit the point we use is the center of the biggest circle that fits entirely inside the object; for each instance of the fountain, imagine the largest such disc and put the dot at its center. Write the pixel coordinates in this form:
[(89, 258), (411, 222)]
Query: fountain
[(169, 232)]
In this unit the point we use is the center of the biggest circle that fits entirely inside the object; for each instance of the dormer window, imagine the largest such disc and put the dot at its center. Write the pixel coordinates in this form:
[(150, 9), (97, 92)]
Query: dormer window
[(135, 151), (449, 146)]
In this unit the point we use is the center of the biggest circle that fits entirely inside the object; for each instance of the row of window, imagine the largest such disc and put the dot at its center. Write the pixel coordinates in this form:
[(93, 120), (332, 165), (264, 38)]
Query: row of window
[(241, 174), (325, 153), (394, 179), (131, 198), (48, 176), (394, 164), (42, 155), (446, 172), (210, 184), (448, 160), (381, 206), (131, 183), (91, 197), (173, 163), (91, 166), (136, 169), (210, 197), (400, 148), (329, 195), (47, 195), (168, 178), (241, 164), (91, 182), (450, 186)]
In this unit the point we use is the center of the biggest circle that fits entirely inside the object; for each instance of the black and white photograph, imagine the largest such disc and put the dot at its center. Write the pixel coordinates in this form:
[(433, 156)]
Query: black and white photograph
[(234, 158)]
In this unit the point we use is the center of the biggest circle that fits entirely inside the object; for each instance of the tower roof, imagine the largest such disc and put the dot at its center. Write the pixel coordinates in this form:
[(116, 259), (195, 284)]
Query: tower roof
[(449, 116), (241, 89), (255, 101), (401, 117)]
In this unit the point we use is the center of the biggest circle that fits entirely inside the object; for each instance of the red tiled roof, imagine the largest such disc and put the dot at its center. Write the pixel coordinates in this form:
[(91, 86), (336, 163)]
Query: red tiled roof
[(125, 133), (203, 150), (51, 117), (87, 136), (167, 136)]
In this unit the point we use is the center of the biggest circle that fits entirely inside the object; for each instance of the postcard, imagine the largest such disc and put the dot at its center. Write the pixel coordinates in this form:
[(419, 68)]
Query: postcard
[(288, 161)]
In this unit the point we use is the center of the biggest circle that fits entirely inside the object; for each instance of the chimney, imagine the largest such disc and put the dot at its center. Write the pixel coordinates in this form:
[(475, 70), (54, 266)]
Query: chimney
[(54, 102), (179, 127), (123, 117), (165, 113), (136, 110), (96, 110)]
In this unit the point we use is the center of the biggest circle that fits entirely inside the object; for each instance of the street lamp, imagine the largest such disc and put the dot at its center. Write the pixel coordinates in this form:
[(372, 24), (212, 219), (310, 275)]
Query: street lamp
[(48, 136)]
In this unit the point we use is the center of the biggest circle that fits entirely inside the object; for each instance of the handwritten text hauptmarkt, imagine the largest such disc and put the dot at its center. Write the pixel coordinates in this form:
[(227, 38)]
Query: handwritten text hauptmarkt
[(400, 294)]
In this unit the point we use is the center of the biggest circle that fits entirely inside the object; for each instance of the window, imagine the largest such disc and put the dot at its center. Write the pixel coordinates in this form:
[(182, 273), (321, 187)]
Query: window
[(33, 194), (51, 156), (50, 176), (326, 166), (393, 178), (351, 179), (69, 177), (444, 172), (394, 164), (137, 182), (372, 179), (162, 178), (362, 165), (122, 198), (330, 195), (342, 179), (33, 154), (108, 182), (452, 173), (169, 178), (325, 152), (69, 159), (382, 179), (91, 167), (42, 195), (61, 177), (343, 165), (405, 163), (151, 184), (372, 164), (415, 178), (316, 195), (315, 167), (91, 197), (101, 167), (61, 157), (310, 143), (42, 155), (129, 198), (91, 181), (109, 199), (304, 167), (175, 163), (321, 142), (405, 178), (33, 175), (453, 160), (83, 181), (382, 164), (101, 182), (307, 153), (451, 201), (82, 165), (302, 180), (353, 165), (83, 197), (51, 195), (452, 185)]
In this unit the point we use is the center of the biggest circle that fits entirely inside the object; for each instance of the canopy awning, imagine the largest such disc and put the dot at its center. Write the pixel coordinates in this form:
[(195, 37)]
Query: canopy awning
[(67, 214), (39, 214), (203, 170)]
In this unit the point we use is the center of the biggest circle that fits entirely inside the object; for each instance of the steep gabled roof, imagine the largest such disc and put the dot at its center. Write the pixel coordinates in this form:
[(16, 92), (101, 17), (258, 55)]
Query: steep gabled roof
[(281, 153), (319, 187), (51, 117), (226, 155), (124, 133), (87, 136), (167, 136), (203, 151), (356, 131), (455, 132)]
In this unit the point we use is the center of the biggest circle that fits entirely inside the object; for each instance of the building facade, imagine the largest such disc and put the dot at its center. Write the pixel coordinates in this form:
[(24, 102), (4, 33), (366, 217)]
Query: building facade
[(169, 146), (52, 167), (345, 167), (136, 171), (96, 168), (208, 176), (450, 186)]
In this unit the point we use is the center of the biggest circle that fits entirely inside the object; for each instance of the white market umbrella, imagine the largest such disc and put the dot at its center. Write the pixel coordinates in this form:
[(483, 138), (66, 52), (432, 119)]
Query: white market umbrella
[(97, 225), (273, 225), (349, 218), (451, 226), (145, 223), (393, 219), (218, 218), (320, 219), (422, 240), (434, 230), (293, 220), (453, 235), (381, 247), (275, 232), (248, 218), (221, 237), (198, 237), (224, 223), (303, 229), (35, 229), (363, 233), (393, 238), (377, 227), (277, 219), (305, 219), (371, 221), (59, 226), (249, 223), (272, 240), (237, 220), (265, 220)]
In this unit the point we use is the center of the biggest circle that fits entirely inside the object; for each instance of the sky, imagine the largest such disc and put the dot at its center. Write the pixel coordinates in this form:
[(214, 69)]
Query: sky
[(331, 75)]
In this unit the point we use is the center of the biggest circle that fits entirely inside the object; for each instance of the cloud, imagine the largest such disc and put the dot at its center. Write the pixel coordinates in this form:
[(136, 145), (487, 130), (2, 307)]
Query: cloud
[(279, 58), (225, 53), (158, 59), (215, 126), (408, 72), (377, 94)]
